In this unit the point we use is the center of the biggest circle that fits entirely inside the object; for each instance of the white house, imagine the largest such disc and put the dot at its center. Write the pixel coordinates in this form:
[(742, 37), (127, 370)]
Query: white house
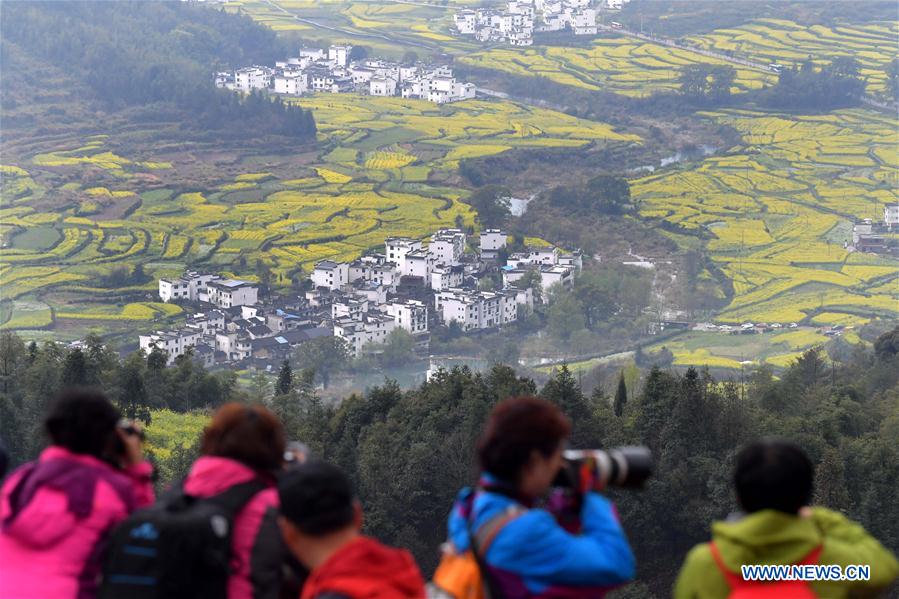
[(312, 54), (474, 310), (891, 215), (370, 328), (190, 286), (232, 292), (250, 78), (175, 343), (349, 307), (556, 275), (382, 86), (235, 345), (446, 277), (583, 22), (396, 249), (292, 84), (332, 275), (418, 263), (493, 240), (447, 246), (207, 322), (466, 21), (340, 54), (410, 315)]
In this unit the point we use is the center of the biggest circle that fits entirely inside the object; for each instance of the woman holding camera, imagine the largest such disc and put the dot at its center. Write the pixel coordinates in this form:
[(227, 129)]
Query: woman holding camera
[(525, 551), (56, 512)]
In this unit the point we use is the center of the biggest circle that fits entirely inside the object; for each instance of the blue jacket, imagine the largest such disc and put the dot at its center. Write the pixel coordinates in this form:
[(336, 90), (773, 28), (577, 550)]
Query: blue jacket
[(533, 556)]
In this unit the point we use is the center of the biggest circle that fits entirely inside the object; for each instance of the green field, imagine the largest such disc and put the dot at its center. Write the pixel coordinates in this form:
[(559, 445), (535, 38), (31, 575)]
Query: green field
[(380, 169), (774, 211), (785, 42), (618, 64), (722, 350)]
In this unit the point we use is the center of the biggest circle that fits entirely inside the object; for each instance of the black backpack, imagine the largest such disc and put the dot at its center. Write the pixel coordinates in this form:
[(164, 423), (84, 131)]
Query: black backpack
[(179, 547)]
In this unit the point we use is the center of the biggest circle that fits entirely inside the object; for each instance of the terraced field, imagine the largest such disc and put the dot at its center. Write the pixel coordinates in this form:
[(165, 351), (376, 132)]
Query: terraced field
[(777, 211), (370, 180), (775, 40), (723, 351), (619, 64), (413, 26)]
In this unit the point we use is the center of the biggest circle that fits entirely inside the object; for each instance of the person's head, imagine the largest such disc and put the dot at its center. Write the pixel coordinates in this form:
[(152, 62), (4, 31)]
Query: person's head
[(83, 420), (319, 512), (249, 434), (773, 475), (522, 443)]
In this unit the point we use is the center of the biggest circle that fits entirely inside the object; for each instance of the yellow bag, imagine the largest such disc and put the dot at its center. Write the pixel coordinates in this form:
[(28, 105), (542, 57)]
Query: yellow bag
[(460, 575)]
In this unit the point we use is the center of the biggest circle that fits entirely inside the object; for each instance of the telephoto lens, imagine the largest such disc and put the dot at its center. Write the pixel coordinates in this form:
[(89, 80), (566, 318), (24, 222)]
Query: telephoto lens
[(596, 469)]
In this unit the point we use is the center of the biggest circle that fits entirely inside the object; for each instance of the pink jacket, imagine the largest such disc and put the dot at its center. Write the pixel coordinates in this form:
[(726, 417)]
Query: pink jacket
[(53, 524), (258, 552)]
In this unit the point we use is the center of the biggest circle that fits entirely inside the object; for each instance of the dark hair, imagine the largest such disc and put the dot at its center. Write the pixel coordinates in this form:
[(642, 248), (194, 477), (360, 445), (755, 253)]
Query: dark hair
[(516, 427), (773, 475), (317, 498), (249, 434), (82, 420)]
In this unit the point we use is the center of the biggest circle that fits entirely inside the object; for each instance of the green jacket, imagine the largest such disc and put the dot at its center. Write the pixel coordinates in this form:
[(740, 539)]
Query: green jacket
[(772, 537)]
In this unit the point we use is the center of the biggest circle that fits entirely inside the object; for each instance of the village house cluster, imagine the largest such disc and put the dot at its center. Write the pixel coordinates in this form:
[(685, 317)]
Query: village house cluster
[(519, 20), (876, 237), (412, 286), (334, 71)]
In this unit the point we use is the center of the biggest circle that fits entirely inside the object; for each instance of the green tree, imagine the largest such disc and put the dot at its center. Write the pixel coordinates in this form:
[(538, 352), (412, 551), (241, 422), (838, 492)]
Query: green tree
[(132, 399), (260, 387), (565, 314), (722, 80), (693, 80), (609, 194), (620, 396), (74, 369), (397, 349), (531, 279), (285, 379), (325, 355), (486, 201)]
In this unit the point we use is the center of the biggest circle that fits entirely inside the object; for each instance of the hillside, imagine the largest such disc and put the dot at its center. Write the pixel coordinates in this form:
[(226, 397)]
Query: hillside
[(117, 192)]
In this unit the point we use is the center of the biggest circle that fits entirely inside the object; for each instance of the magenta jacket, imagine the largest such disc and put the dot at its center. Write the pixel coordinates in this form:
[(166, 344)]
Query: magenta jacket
[(258, 552), (55, 515)]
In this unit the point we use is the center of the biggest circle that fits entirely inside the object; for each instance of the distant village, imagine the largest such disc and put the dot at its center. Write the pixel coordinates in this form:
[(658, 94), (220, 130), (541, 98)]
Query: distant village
[(878, 237), (411, 286), (521, 18), (334, 71)]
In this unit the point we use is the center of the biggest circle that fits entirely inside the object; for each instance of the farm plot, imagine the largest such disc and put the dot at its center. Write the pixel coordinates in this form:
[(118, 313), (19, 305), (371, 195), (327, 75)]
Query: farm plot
[(776, 213), (785, 42), (619, 64), (369, 181), (410, 26)]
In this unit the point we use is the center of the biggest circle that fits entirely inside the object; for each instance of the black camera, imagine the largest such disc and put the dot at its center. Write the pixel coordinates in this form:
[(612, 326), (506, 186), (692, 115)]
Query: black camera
[(595, 469)]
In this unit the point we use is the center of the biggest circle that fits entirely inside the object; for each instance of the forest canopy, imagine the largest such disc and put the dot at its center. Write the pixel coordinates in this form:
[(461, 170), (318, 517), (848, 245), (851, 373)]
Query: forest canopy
[(138, 53), (409, 452)]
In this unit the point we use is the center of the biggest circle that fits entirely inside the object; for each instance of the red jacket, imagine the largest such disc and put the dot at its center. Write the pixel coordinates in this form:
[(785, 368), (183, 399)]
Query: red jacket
[(366, 569), (257, 550)]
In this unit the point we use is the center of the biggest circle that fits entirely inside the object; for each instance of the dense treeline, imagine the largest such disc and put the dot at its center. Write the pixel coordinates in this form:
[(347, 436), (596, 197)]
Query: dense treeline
[(805, 87), (137, 53), (410, 451)]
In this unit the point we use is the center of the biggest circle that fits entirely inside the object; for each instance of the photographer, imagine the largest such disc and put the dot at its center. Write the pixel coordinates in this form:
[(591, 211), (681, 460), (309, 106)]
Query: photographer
[(774, 482), (530, 553), (57, 511)]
